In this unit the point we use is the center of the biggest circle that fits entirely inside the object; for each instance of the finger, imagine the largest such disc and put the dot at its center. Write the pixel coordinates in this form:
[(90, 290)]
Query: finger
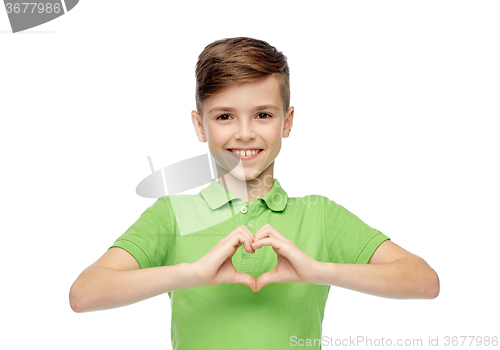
[(241, 239), (268, 231), (236, 231), (269, 241), (240, 235), (248, 238), (242, 230), (251, 238), (265, 228)]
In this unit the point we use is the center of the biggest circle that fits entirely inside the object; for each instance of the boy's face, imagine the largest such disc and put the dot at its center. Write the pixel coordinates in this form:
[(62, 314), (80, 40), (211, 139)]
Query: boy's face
[(246, 117)]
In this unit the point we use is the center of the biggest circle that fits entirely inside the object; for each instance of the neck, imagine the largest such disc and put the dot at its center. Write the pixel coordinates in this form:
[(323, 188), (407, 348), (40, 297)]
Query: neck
[(247, 189)]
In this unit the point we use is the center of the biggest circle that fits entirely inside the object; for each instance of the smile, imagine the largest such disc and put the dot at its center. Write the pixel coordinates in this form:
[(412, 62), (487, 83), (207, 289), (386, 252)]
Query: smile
[(245, 154)]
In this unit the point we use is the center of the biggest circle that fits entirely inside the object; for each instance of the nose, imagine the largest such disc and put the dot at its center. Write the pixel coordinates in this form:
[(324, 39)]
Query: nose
[(245, 131)]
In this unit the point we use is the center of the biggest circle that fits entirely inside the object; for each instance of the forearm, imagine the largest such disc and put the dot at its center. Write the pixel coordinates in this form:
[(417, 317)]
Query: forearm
[(406, 278), (99, 288)]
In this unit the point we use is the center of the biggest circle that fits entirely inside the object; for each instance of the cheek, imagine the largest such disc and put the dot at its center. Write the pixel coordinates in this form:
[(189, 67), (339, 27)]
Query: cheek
[(213, 136), (273, 136)]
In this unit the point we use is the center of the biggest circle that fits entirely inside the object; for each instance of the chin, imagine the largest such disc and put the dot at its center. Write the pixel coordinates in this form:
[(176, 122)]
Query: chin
[(245, 176)]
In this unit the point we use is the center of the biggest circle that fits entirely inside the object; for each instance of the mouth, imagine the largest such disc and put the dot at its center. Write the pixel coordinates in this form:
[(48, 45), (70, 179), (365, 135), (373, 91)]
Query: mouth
[(245, 154)]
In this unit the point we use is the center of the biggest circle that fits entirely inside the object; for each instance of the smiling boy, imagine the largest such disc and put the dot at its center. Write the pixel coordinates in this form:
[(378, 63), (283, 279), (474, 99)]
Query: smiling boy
[(258, 268)]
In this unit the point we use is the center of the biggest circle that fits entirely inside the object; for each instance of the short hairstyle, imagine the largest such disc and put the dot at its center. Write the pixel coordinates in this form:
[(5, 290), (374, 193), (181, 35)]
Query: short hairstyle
[(233, 61)]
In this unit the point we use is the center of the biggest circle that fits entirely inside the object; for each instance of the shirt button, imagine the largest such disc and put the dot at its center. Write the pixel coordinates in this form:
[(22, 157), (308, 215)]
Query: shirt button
[(243, 210), (249, 225)]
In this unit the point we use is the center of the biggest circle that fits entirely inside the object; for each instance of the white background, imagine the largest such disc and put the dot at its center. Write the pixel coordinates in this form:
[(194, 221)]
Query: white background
[(396, 118)]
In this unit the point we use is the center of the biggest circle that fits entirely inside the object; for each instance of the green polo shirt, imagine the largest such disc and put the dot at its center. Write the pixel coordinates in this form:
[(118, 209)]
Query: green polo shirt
[(183, 228)]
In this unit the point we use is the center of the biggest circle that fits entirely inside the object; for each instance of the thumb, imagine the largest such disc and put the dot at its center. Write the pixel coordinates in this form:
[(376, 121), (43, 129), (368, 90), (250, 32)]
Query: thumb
[(265, 279), (245, 279)]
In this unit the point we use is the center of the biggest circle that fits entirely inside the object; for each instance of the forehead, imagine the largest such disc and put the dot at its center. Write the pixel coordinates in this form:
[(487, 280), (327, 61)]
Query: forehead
[(246, 96)]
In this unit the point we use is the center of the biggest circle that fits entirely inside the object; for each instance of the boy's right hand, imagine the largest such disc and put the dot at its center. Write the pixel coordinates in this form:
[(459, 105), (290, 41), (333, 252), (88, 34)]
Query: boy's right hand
[(216, 267)]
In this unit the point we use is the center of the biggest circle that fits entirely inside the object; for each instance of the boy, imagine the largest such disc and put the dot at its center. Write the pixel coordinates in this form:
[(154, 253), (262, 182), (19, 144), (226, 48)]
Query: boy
[(275, 287)]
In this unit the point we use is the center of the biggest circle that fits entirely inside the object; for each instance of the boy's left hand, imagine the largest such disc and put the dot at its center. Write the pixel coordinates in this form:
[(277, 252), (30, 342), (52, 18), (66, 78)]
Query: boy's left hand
[(293, 264)]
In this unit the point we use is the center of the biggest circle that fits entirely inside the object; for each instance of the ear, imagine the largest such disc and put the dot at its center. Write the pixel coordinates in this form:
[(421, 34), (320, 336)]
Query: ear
[(287, 125), (198, 126)]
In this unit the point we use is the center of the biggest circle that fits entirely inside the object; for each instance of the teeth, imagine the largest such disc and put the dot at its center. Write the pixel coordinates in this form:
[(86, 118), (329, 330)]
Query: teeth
[(246, 153)]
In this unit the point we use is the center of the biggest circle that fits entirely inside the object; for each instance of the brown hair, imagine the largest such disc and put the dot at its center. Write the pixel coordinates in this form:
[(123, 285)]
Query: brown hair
[(232, 61)]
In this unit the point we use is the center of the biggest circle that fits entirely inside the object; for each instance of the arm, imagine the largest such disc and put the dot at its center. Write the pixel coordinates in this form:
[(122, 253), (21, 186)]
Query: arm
[(116, 279), (392, 272)]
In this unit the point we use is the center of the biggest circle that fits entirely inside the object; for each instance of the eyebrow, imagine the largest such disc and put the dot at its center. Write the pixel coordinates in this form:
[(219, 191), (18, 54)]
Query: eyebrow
[(231, 109)]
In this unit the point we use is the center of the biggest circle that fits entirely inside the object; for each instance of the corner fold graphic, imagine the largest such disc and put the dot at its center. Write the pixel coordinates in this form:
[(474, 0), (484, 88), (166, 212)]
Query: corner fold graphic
[(179, 177), (70, 4)]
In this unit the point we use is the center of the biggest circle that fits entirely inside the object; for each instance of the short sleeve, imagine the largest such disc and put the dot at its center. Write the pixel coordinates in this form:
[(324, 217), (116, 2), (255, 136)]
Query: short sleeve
[(349, 240), (148, 239)]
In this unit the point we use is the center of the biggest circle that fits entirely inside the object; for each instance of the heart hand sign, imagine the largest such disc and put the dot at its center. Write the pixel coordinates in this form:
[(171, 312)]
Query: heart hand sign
[(293, 265)]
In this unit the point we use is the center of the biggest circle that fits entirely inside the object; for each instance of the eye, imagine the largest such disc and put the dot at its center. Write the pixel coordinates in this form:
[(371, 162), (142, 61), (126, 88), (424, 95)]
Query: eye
[(263, 116), (224, 117)]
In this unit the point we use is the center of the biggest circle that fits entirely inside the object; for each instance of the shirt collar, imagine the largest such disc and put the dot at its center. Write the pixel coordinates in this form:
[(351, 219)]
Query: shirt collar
[(216, 196)]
